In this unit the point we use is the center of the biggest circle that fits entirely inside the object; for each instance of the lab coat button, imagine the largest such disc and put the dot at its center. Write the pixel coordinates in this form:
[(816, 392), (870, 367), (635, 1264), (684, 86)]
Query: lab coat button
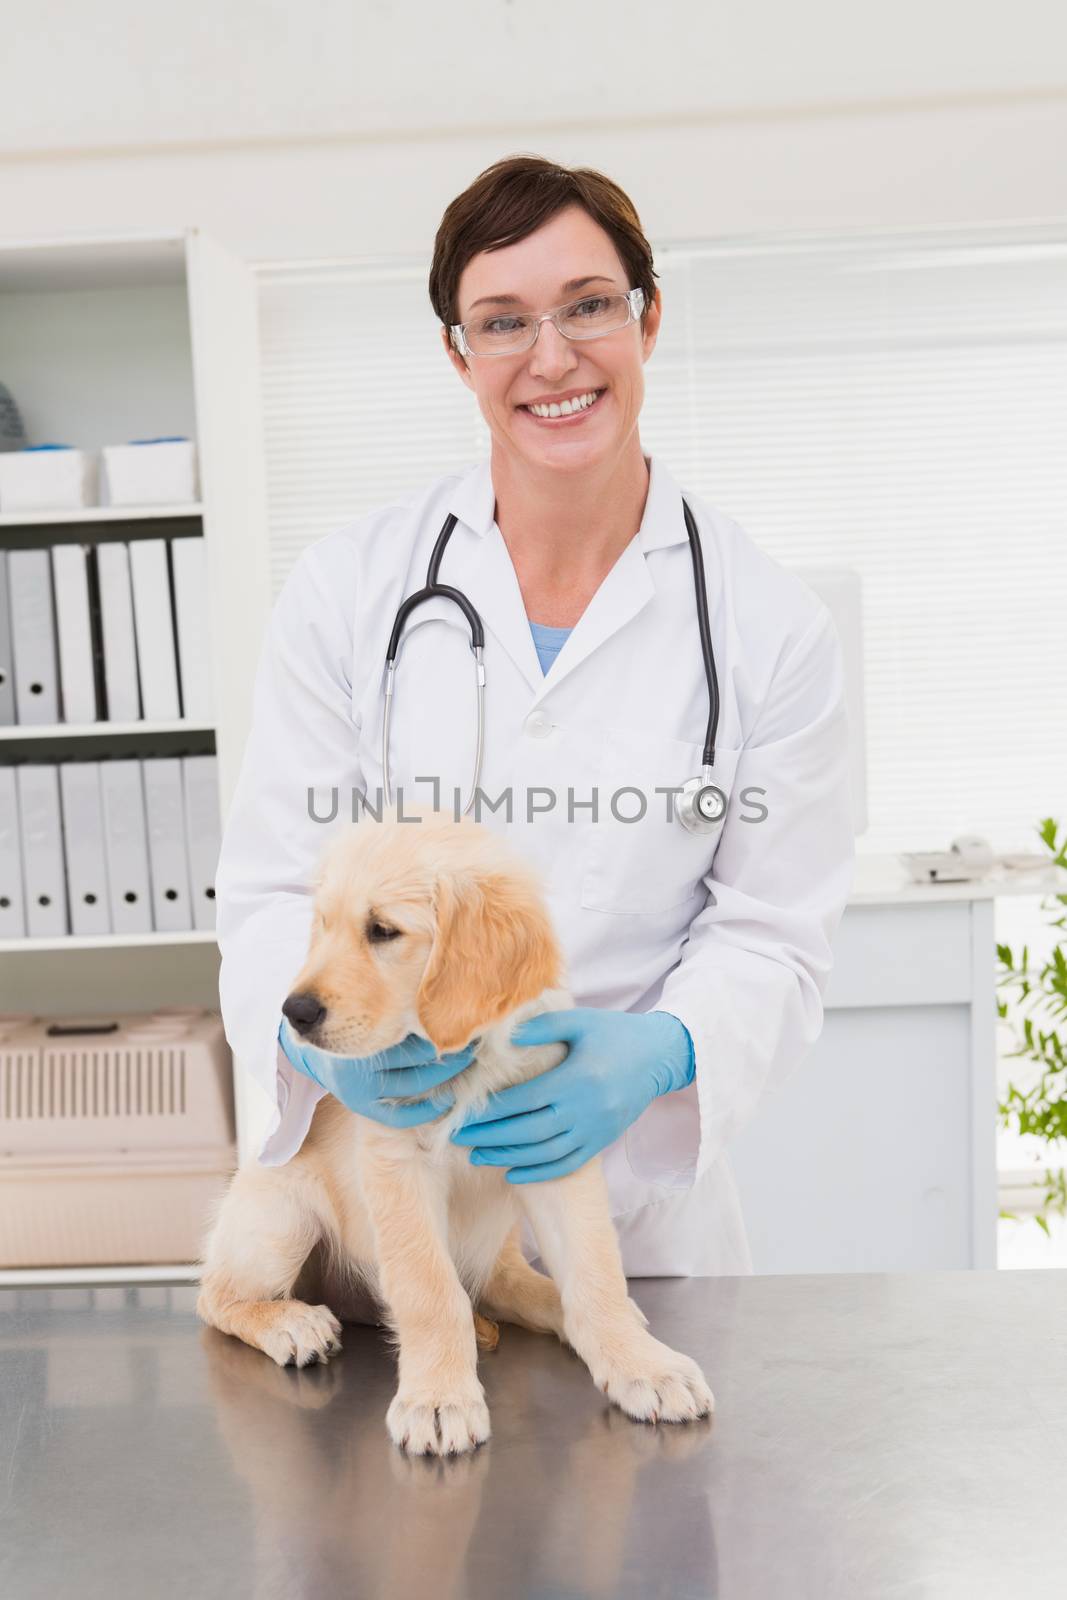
[(538, 725)]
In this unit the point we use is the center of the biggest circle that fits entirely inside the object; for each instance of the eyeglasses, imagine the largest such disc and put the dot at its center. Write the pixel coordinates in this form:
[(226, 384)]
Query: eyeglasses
[(507, 332)]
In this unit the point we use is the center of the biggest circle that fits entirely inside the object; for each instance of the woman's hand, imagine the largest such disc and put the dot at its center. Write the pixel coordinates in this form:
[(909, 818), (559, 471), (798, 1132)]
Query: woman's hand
[(363, 1084), (617, 1063)]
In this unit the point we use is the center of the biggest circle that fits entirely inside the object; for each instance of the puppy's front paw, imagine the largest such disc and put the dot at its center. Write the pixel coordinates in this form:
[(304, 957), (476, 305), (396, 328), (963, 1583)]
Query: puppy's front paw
[(653, 1383), (638, 1313), (438, 1425), (298, 1334)]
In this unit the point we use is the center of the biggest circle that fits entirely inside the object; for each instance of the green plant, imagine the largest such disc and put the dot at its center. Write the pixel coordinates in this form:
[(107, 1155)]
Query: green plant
[(1041, 997)]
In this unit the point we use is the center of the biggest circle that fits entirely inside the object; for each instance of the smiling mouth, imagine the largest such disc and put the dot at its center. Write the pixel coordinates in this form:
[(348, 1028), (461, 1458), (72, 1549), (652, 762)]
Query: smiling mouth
[(572, 416)]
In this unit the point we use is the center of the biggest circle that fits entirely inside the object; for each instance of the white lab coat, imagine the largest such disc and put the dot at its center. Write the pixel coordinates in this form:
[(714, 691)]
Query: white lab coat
[(730, 931)]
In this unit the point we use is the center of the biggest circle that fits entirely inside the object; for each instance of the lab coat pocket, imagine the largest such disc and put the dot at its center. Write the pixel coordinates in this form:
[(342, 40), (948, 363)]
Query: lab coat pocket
[(641, 858)]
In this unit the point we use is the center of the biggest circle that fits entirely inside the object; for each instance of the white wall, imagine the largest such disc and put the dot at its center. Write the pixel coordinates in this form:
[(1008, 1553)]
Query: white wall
[(343, 127)]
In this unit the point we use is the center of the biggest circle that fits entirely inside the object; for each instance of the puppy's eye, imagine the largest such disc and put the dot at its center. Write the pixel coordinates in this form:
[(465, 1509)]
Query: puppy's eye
[(378, 932)]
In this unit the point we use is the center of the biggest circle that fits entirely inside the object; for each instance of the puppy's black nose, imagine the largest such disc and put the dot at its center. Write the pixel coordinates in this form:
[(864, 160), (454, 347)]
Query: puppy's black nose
[(304, 1011)]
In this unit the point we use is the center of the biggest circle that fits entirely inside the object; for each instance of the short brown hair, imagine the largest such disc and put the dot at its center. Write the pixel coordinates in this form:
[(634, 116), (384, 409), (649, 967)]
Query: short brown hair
[(513, 198)]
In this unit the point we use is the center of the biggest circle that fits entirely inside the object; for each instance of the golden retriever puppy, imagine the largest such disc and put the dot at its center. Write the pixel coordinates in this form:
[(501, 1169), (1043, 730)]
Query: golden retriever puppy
[(439, 928)]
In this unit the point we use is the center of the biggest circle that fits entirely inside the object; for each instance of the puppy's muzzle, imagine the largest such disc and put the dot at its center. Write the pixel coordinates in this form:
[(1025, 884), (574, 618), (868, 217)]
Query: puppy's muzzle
[(304, 1013)]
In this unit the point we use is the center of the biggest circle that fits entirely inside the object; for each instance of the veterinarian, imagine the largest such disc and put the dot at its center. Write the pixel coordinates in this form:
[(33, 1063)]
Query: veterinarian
[(698, 957)]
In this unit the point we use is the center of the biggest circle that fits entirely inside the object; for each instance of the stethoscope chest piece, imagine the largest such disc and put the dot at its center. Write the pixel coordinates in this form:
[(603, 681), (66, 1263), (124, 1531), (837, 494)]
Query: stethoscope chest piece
[(701, 805)]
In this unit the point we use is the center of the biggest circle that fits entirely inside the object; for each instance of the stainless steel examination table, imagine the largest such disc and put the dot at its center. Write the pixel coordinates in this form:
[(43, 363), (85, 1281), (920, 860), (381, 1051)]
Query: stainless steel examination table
[(874, 1436)]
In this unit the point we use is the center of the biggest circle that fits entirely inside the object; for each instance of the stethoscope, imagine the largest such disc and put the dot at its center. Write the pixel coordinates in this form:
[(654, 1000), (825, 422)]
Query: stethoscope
[(700, 806)]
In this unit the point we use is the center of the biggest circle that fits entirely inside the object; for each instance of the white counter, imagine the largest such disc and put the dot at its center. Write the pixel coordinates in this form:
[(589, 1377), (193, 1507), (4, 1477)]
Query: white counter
[(882, 880), (879, 1153)]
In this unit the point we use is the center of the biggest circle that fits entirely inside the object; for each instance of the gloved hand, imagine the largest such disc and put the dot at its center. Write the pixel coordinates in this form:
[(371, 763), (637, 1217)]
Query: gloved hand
[(617, 1063), (363, 1083)]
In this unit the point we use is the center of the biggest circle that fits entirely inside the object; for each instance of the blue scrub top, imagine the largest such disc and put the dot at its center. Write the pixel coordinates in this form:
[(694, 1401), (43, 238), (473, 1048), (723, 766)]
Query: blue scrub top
[(548, 642)]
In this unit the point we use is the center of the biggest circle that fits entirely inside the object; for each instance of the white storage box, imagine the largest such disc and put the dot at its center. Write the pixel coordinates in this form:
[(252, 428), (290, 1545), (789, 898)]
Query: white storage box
[(47, 480), (115, 1143), (159, 472)]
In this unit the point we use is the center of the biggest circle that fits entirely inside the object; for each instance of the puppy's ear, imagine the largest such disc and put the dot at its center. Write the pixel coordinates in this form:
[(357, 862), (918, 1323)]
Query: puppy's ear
[(494, 947)]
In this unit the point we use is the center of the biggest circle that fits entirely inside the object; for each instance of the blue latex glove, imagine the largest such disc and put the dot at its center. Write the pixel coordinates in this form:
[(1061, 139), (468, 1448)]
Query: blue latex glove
[(363, 1083), (617, 1063)]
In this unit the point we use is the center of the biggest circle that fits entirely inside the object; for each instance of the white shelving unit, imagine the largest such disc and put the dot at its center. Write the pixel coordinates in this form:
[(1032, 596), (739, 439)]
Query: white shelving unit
[(109, 337), (105, 514), (106, 941), (86, 730)]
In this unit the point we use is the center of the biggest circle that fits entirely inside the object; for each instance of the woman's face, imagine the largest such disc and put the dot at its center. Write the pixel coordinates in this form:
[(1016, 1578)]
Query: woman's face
[(537, 271)]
